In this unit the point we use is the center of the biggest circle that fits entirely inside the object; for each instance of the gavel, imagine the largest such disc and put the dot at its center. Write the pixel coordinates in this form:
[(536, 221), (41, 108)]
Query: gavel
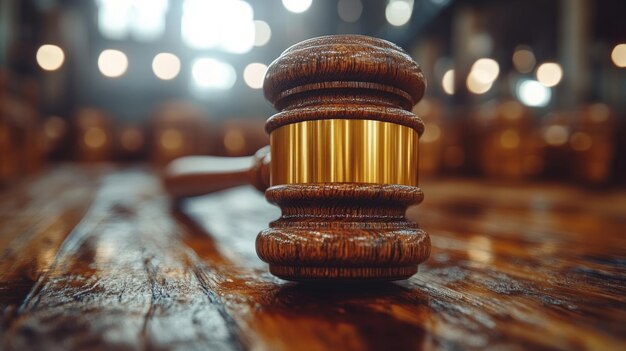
[(342, 163)]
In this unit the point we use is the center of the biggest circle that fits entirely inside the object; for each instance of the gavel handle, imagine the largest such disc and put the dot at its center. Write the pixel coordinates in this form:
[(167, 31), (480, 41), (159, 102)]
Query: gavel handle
[(198, 175)]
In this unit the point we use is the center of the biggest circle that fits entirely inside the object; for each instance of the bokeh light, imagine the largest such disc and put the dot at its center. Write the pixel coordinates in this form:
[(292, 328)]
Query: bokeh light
[(226, 25), (618, 55), (510, 138), (556, 135), (549, 74), (145, 19), (485, 70), (476, 83), (166, 66), (234, 141), (447, 83), (171, 139), (94, 137), (297, 6), (524, 59), (262, 33), (254, 74), (213, 74), (112, 63), (398, 12), (532, 93), (50, 57)]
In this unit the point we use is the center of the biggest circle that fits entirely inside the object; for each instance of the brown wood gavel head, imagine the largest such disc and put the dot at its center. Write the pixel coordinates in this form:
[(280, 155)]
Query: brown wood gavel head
[(344, 162)]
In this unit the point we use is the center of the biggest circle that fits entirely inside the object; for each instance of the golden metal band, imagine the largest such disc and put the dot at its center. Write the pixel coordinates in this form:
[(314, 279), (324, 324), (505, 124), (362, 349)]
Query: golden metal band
[(344, 150)]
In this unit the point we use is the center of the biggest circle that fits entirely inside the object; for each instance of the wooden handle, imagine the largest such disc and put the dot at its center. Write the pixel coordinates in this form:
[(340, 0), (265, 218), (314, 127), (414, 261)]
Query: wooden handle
[(199, 175)]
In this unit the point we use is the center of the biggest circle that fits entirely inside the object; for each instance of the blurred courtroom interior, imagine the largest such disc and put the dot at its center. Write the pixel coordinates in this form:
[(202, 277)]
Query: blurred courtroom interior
[(518, 90), (521, 164)]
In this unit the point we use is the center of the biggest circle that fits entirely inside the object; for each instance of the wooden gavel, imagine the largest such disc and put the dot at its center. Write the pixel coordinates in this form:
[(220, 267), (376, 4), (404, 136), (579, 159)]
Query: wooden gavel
[(343, 167)]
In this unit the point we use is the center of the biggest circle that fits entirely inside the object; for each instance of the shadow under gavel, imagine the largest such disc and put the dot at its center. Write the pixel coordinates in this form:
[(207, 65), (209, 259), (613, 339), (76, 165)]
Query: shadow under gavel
[(199, 175)]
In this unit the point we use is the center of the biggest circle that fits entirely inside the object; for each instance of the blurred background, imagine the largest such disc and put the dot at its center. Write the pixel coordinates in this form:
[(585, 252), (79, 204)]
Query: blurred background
[(518, 90)]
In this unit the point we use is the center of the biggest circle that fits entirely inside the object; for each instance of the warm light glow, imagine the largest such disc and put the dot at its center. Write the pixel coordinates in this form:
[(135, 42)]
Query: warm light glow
[(262, 33), (50, 57), (555, 135), (254, 74), (211, 73), (94, 137), (398, 12), (524, 59), (131, 139), (618, 55), (297, 6), (476, 83), (509, 139), (485, 70), (234, 141), (225, 24), (166, 66), (580, 141), (482, 75), (171, 139), (432, 132), (448, 82), (479, 249), (549, 74), (533, 93), (350, 10), (112, 63)]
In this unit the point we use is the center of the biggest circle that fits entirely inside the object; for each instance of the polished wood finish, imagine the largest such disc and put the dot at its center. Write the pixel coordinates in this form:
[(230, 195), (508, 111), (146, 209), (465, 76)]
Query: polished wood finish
[(94, 259), (343, 228), (343, 232), (200, 175)]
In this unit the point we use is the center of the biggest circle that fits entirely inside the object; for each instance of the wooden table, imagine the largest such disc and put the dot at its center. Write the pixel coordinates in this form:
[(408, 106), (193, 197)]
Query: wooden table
[(93, 258)]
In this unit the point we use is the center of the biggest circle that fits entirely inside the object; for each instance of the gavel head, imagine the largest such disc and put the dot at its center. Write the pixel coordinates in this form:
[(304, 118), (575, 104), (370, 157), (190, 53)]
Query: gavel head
[(344, 166)]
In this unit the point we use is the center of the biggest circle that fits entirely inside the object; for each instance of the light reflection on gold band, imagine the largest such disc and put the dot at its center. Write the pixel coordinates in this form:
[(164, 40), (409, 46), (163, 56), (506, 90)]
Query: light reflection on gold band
[(344, 150)]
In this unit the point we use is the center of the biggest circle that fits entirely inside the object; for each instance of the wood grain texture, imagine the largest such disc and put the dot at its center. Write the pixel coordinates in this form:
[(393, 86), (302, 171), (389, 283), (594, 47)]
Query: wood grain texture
[(343, 231), (122, 280), (352, 229), (35, 216), (532, 267), (344, 76)]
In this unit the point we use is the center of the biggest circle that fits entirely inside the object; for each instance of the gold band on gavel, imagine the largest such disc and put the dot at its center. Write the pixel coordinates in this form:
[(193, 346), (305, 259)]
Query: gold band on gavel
[(344, 150)]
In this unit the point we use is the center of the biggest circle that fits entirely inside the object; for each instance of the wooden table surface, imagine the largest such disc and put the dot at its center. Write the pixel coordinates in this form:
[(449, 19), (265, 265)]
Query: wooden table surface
[(94, 258)]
